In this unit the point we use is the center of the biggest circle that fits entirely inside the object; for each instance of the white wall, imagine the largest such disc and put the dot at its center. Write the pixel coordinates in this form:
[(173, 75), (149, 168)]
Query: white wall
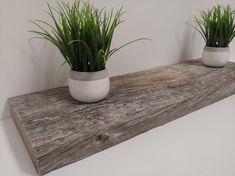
[(27, 67)]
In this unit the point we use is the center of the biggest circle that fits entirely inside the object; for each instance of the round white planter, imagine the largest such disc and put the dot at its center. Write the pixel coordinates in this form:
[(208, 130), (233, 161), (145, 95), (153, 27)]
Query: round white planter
[(89, 87), (215, 57)]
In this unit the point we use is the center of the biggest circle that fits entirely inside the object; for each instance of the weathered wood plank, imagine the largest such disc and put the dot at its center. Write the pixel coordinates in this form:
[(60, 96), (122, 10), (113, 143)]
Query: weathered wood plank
[(58, 130)]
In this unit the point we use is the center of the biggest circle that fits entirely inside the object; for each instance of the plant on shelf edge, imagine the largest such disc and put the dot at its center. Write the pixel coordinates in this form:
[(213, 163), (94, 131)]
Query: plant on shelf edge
[(217, 28), (83, 34)]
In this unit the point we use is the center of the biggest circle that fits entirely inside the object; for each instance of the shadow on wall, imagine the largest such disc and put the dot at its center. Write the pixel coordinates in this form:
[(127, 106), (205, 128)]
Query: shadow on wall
[(46, 62), (186, 42), (5, 113), (18, 149)]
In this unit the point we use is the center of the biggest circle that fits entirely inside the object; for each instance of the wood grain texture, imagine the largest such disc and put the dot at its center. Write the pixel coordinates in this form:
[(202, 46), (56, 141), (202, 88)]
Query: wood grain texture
[(58, 130)]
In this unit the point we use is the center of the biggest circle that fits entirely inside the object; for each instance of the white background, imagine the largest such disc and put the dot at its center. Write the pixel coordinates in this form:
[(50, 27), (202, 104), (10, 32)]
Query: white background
[(200, 145)]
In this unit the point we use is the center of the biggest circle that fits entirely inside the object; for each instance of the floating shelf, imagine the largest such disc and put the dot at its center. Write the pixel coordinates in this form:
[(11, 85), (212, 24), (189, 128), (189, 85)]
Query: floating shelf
[(58, 130)]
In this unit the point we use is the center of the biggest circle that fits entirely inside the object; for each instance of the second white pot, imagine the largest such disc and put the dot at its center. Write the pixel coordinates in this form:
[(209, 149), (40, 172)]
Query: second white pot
[(215, 57), (89, 87)]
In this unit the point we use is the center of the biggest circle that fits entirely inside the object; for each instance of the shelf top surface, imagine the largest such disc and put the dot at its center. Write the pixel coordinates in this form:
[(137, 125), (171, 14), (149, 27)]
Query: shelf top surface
[(54, 113)]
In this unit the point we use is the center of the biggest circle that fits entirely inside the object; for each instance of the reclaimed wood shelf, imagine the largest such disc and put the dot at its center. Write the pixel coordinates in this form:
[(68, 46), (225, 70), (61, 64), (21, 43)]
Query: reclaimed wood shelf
[(58, 130)]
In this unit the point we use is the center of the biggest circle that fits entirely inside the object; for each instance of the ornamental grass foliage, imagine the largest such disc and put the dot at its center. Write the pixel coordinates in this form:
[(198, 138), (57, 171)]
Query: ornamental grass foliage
[(82, 33), (216, 26)]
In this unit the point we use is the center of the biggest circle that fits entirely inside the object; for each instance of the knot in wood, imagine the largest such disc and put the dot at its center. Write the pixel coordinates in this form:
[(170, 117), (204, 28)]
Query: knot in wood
[(102, 137)]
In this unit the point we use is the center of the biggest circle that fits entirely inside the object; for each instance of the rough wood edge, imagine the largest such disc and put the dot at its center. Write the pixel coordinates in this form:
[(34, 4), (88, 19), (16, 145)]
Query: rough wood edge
[(16, 117)]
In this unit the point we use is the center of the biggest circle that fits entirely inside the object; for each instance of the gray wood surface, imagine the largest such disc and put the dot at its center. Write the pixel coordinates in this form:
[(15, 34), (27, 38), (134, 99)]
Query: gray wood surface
[(58, 130)]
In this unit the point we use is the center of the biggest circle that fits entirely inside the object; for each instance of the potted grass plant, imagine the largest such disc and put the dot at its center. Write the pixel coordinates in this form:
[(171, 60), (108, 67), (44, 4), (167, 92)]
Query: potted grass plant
[(217, 27), (83, 34)]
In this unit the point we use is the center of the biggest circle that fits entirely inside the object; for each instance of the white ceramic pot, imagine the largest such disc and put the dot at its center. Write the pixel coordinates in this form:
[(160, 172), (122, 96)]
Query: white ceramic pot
[(89, 87), (215, 57)]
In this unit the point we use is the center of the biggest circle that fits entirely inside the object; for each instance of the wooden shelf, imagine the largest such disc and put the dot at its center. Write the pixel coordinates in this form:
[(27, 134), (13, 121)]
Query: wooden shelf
[(58, 130)]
